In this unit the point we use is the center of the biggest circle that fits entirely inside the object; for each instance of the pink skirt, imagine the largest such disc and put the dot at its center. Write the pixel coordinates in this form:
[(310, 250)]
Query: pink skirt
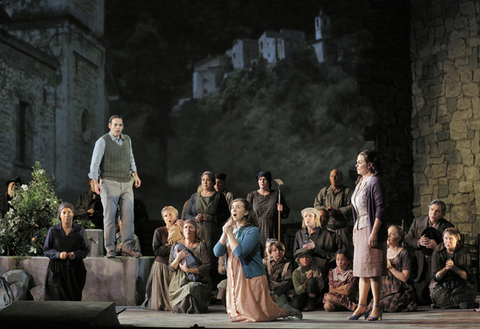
[(368, 262)]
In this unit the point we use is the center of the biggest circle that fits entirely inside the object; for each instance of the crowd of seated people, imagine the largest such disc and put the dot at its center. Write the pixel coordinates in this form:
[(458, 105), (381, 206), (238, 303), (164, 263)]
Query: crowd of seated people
[(426, 266)]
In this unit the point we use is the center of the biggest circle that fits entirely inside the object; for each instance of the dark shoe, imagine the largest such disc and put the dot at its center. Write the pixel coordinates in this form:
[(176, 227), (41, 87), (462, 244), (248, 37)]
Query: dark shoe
[(131, 253), (293, 312), (111, 254)]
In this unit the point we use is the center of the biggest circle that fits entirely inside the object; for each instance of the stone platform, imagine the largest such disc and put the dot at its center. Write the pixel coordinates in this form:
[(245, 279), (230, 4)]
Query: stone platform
[(121, 280)]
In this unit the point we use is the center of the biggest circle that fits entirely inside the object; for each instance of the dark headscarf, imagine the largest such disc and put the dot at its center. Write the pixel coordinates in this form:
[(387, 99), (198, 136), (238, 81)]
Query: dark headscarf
[(15, 179), (221, 176), (65, 205), (267, 175)]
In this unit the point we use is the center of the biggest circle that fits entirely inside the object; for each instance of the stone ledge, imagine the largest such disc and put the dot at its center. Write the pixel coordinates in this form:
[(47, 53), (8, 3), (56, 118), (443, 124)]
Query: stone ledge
[(121, 280)]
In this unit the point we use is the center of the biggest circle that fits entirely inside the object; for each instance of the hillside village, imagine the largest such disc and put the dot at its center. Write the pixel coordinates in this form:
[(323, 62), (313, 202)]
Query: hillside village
[(272, 46)]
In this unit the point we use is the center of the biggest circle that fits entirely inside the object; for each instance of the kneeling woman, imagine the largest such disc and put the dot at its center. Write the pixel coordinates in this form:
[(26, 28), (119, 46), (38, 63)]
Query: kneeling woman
[(186, 295), (66, 245), (248, 297), (452, 270)]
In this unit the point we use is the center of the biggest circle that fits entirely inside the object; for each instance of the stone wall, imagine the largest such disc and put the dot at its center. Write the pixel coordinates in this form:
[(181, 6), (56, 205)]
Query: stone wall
[(68, 31), (26, 75), (383, 74), (121, 280), (445, 48)]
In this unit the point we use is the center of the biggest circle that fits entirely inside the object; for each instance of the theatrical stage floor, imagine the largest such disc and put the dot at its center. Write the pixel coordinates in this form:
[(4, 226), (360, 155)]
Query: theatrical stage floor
[(425, 317)]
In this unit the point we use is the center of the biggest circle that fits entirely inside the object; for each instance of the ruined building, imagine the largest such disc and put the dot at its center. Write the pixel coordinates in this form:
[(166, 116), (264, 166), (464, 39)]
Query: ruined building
[(53, 99)]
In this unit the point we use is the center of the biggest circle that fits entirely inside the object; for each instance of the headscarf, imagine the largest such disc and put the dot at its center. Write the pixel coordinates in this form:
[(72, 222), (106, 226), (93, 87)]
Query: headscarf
[(65, 205), (209, 174), (15, 179), (221, 176), (267, 175)]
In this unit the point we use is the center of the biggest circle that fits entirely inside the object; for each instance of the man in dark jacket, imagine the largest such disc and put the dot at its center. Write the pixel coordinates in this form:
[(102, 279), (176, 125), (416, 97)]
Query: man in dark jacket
[(423, 237)]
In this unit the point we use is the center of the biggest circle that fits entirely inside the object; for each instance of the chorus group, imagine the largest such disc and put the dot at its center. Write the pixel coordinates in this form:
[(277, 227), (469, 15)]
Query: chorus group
[(345, 255)]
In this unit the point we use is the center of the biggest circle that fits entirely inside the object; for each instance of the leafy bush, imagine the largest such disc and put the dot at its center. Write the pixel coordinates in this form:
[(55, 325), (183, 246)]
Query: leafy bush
[(24, 228)]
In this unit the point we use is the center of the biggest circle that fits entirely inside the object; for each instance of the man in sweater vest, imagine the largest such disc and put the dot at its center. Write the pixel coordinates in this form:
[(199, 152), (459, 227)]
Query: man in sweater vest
[(114, 173)]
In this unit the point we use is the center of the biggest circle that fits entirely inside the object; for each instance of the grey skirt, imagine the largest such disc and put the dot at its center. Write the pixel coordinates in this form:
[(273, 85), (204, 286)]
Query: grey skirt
[(368, 262)]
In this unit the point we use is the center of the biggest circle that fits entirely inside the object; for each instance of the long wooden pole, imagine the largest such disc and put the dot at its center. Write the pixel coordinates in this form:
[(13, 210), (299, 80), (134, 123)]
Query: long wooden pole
[(279, 213)]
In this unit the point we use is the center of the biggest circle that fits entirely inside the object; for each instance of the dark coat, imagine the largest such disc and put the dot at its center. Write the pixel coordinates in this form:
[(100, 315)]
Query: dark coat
[(412, 240)]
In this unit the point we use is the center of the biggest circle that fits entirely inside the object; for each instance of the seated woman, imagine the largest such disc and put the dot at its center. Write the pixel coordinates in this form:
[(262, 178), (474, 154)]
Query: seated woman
[(279, 273), (396, 294), (66, 245), (248, 297), (452, 273), (188, 296), (314, 236), (190, 260), (307, 281), (159, 278), (342, 285)]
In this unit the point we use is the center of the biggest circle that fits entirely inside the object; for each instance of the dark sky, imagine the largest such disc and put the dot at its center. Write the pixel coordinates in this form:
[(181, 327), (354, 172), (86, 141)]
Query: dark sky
[(153, 44)]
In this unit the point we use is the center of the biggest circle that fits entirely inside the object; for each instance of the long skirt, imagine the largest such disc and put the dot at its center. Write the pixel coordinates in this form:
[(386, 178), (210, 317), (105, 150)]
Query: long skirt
[(157, 287), (451, 298), (368, 262), (65, 280), (249, 300)]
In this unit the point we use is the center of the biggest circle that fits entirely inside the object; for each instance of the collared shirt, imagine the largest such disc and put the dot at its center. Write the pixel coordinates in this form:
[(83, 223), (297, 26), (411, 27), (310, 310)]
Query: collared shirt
[(99, 151)]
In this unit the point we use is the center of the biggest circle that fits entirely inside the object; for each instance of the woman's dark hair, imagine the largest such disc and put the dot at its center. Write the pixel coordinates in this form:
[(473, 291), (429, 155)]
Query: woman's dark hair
[(371, 156), (277, 244), (251, 219)]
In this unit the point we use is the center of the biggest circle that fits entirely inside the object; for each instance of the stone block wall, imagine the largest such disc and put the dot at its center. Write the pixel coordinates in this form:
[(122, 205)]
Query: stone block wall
[(383, 74), (79, 97), (445, 48), (26, 75), (121, 280)]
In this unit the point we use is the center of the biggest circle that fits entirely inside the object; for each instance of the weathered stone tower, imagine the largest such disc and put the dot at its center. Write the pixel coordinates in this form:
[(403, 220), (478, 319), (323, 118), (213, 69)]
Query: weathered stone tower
[(53, 98)]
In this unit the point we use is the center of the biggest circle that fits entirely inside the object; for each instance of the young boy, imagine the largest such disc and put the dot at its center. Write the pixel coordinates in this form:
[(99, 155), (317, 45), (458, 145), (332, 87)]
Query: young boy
[(307, 281), (279, 273)]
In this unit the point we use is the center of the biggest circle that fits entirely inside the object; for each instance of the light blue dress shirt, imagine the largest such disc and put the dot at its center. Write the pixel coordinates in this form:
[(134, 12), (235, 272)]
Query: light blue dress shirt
[(99, 151)]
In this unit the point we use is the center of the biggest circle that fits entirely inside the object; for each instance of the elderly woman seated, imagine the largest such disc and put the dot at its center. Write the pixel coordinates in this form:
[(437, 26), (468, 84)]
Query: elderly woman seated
[(452, 273)]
